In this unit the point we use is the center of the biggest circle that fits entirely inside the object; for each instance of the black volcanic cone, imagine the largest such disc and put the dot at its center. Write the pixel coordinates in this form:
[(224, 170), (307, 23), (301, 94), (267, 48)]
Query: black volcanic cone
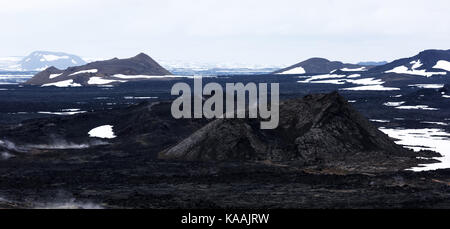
[(313, 129)]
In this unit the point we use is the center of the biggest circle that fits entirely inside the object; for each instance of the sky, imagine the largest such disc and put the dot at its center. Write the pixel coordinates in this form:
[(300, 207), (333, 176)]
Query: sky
[(263, 32)]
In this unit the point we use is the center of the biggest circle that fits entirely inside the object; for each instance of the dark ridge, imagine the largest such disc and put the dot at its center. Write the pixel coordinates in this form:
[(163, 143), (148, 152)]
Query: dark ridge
[(316, 129), (319, 65), (140, 64)]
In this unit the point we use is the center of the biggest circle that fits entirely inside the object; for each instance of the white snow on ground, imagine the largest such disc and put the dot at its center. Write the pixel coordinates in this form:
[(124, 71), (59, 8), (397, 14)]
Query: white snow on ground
[(380, 120), (443, 64), (370, 84), (99, 81), (354, 76), (430, 86), (297, 70), (446, 96), (354, 69), (51, 57), (63, 112), (396, 96), (416, 64), (105, 131), (84, 71), (431, 139), (319, 77), (372, 88), (366, 81), (121, 76), (54, 75), (3, 89), (64, 83), (405, 70), (417, 107), (341, 79), (393, 104)]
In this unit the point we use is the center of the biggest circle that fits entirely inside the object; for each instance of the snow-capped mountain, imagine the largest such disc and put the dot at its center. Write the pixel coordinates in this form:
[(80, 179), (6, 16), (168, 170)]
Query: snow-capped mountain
[(426, 69), (427, 63), (101, 72), (40, 60), (319, 66)]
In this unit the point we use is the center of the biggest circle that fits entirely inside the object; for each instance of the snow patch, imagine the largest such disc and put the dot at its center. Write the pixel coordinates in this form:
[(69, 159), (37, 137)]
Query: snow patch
[(84, 71), (297, 70), (380, 120), (393, 104), (417, 107), (63, 112), (105, 131), (50, 57), (354, 69), (55, 75), (424, 139), (64, 83), (405, 70), (99, 81), (429, 86), (416, 64), (443, 64), (372, 88), (354, 76)]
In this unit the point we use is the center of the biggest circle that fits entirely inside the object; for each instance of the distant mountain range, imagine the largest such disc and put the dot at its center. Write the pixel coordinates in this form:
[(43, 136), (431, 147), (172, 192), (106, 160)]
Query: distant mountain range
[(101, 72), (40, 60), (426, 63)]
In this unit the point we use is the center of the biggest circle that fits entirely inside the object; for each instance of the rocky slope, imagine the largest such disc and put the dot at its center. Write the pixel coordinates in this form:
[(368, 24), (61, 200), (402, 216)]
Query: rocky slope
[(323, 155), (315, 130), (101, 72)]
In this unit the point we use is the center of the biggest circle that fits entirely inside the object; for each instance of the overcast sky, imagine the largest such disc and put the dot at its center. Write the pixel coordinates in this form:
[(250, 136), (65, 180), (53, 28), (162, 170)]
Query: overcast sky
[(248, 31)]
